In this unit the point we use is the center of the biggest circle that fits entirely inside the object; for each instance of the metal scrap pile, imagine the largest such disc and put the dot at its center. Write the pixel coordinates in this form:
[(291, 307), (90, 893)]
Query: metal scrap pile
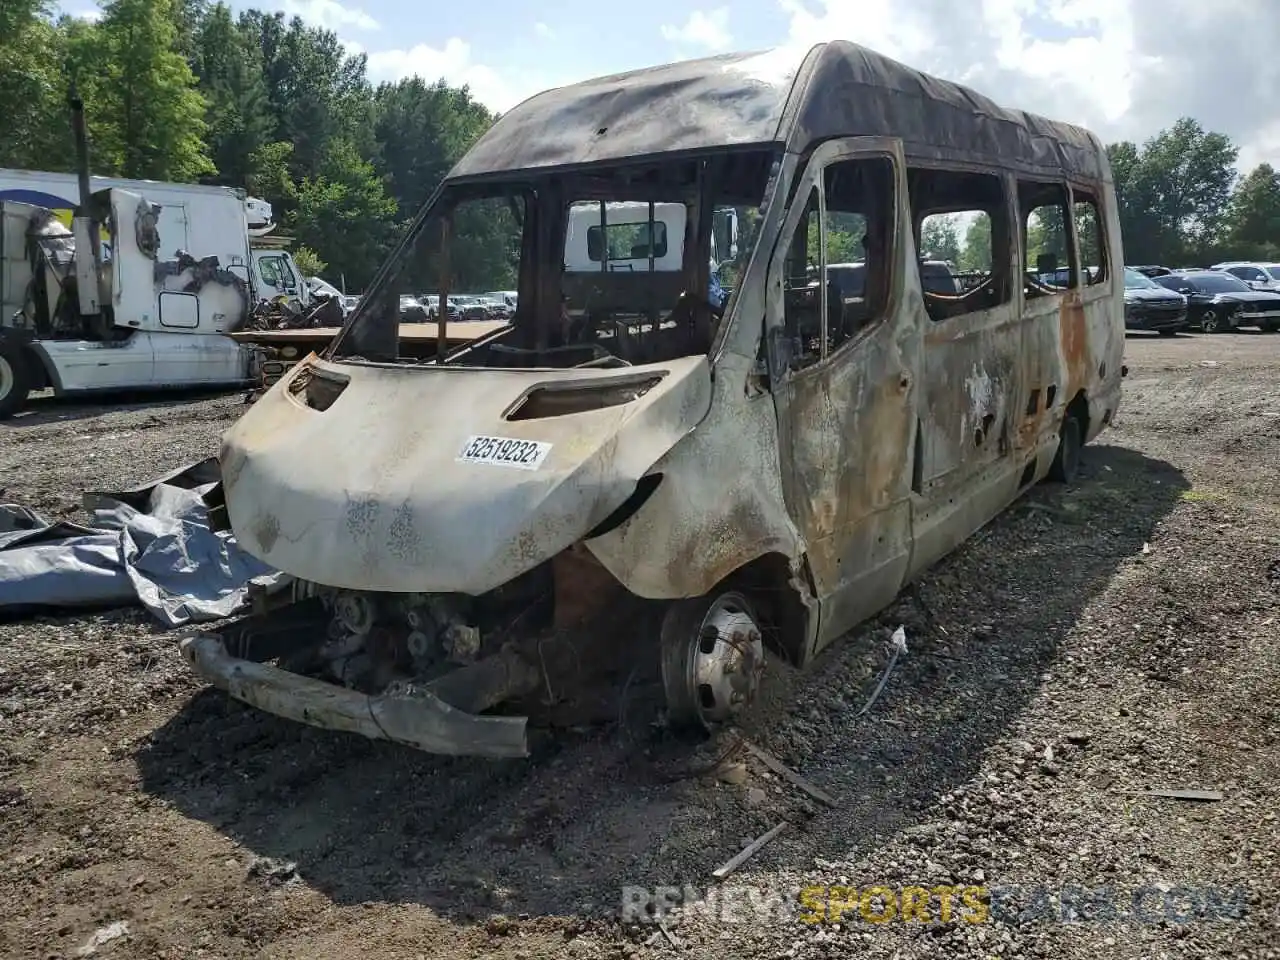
[(283, 313)]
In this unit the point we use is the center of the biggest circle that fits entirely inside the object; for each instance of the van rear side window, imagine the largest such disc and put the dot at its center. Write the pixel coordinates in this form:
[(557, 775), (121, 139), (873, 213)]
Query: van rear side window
[(963, 241)]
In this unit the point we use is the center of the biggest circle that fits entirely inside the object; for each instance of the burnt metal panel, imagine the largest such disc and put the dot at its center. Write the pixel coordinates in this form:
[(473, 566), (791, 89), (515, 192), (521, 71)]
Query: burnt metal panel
[(778, 96)]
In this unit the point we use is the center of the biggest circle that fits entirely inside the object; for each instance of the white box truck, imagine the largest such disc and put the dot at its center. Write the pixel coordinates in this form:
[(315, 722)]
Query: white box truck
[(204, 221), (82, 317)]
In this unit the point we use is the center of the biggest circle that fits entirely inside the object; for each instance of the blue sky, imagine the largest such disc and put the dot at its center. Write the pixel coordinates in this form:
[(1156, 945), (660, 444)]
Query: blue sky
[(1123, 68)]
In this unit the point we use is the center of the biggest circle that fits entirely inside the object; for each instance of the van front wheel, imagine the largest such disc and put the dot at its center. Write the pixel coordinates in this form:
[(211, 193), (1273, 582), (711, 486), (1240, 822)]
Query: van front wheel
[(712, 659)]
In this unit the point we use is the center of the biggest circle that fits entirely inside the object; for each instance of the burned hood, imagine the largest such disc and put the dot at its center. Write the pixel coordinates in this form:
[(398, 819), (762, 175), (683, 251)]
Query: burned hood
[(399, 478)]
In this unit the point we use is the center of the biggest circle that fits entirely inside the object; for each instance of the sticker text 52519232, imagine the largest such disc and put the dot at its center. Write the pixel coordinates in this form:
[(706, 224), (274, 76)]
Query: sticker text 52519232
[(505, 452)]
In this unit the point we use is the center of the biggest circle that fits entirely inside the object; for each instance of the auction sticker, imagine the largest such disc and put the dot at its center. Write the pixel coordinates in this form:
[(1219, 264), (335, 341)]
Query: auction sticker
[(505, 452)]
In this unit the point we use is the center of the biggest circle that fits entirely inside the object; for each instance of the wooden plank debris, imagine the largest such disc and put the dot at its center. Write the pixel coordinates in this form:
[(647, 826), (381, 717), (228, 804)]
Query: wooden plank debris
[(1179, 794), (749, 851), (782, 770)]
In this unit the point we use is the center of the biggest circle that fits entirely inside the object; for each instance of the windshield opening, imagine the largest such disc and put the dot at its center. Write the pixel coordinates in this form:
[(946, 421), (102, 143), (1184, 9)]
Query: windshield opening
[(1133, 280), (603, 267)]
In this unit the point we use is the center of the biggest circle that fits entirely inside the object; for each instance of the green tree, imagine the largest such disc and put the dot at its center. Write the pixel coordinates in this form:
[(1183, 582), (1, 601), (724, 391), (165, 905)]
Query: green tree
[(1173, 192), (149, 113), (309, 262), (229, 64), (268, 177), (975, 254), (1253, 216), (344, 214), (940, 238), (317, 93), (423, 130), (34, 128), (1047, 234)]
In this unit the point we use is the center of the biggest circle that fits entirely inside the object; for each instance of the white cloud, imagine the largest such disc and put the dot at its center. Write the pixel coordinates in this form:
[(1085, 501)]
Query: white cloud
[(454, 63), (330, 14), (544, 31), (1124, 69), (709, 29)]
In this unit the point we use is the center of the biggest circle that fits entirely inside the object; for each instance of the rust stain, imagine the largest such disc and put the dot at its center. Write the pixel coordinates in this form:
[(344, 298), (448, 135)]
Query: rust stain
[(1074, 333)]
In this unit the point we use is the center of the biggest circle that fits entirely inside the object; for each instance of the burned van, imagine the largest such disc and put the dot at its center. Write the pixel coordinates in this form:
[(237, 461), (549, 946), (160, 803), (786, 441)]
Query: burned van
[(774, 467)]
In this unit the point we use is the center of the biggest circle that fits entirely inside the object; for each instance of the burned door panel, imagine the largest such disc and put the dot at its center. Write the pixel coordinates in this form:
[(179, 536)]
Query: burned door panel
[(972, 376), (845, 397), (1054, 339)]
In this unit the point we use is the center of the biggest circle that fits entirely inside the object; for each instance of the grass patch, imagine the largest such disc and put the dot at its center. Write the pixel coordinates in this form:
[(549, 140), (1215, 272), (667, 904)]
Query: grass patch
[(1200, 496)]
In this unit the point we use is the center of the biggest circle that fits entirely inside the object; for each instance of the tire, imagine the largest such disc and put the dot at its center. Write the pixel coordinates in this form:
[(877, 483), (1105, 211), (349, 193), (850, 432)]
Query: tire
[(693, 638), (1066, 462), (15, 378)]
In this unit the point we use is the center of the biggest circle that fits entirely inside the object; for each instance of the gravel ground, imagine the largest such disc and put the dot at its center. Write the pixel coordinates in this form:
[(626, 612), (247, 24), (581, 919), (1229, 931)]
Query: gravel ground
[(1095, 641)]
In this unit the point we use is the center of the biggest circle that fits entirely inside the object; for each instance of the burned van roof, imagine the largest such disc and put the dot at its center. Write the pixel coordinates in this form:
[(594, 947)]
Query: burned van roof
[(776, 96)]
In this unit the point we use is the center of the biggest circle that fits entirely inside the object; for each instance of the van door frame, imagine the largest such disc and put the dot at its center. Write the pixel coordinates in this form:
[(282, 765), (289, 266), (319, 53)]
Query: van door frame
[(853, 508)]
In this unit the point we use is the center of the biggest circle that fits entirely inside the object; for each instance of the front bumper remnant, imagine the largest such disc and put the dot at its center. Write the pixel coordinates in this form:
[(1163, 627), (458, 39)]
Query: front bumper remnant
[(420, 720)]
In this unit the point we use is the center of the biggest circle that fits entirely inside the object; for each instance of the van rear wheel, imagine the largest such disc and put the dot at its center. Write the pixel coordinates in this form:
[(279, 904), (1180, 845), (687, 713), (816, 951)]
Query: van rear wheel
[(712, 659), (15, 378)]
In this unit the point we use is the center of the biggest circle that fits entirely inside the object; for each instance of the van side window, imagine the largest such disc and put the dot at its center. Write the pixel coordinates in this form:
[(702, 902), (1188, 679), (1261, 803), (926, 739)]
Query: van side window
[(858, 270), (859, 231), (963, 242), (1091, 237), (1048, 265)]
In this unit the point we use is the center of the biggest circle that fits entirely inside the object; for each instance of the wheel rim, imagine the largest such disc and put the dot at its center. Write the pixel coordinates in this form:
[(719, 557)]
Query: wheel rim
[(1209, 323), (726, 660), (7, 378)]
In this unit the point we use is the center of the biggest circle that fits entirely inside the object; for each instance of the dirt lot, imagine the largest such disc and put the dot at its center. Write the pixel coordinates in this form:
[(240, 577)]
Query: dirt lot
[(1096, 640)]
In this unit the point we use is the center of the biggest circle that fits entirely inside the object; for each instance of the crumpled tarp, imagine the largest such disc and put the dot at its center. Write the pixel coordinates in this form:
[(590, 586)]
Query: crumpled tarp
[(152, 545)]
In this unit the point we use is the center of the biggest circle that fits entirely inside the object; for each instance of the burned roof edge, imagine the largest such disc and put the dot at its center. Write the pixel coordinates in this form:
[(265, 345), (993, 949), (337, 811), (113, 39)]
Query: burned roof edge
[(836, 88)]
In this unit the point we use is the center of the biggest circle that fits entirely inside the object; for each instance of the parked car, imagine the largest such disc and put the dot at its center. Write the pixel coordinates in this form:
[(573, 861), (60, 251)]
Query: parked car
[(1218, 301), (497, 309), (411, 310), (1260, 276), (1150, 306), (508, 297), (432, 303), (1150, 270), (469, 307)]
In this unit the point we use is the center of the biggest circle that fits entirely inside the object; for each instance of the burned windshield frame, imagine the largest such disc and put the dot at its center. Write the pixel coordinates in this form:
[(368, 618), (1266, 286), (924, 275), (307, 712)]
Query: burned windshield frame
[(623, 316), (372, 330)]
